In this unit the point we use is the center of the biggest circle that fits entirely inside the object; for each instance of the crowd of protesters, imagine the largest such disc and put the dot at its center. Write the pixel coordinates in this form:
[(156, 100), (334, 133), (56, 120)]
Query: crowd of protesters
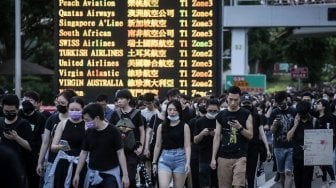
[(176, 141)]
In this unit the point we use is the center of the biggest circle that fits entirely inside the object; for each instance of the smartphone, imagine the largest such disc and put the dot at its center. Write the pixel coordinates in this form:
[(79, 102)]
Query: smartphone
[(7, 130), (230, 118), (64, 143), (211, 129)]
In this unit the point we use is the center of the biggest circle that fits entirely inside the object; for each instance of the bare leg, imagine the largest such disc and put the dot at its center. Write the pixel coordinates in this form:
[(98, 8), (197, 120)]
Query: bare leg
[(179, 179), (164, 179)]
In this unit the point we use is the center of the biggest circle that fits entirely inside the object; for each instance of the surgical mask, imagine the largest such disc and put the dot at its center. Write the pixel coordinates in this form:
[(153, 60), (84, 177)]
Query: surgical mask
[(174, 118), (62, 109), (75, 115), (10, 116), (211, 115), (27, 107), (90, 124)]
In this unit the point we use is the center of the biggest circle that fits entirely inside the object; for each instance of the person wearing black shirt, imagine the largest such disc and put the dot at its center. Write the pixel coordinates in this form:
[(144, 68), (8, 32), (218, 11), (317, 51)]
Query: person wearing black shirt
[(61, 103), (303, 175), (67, 143), (201, 110), (151, 132), (281, 121), (258, 140), (11, 170), (173, 137), (37, 121), (326, 122), (16, 132), (124, 97), (233, 130), (203, 137), (104, 144)]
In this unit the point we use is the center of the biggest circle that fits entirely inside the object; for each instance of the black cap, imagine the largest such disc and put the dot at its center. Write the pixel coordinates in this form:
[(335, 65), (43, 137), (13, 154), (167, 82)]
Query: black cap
[(246, 99)]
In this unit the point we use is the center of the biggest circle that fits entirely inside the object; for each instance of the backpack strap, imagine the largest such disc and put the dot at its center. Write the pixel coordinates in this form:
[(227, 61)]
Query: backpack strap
[(135, 111)]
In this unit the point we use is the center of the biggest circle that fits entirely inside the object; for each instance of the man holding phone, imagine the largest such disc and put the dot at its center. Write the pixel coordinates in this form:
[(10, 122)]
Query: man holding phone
[(203, 136), (233, 130), (16, 132)]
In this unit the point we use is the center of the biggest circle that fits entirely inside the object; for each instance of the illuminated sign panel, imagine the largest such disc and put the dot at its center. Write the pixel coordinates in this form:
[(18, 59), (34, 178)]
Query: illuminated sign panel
[(143, 45)]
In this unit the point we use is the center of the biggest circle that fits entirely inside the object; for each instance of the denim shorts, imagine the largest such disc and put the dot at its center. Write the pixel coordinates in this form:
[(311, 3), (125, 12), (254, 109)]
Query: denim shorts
[(284, 159), (172, 160)]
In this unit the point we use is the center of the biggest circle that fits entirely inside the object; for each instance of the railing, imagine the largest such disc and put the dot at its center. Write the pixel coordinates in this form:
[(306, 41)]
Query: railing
[(277, 2)]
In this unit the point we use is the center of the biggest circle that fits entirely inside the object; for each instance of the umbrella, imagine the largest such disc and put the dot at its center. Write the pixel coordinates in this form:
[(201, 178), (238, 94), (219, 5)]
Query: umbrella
[(27, 68)]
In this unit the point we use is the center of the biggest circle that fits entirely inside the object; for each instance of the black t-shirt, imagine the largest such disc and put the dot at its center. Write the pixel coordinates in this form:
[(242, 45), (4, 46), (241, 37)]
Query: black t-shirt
[(233, 144), (205, 146), (286, 123), (328, 122), (37, 122), (103, 146), (51, 125), (298, 138), (137, 121), (173, 136), (23, 129), (194, 147)]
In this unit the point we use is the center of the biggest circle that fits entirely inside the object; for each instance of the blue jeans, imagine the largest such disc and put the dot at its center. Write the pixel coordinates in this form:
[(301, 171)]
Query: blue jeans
[(284, 159), (172, 160)]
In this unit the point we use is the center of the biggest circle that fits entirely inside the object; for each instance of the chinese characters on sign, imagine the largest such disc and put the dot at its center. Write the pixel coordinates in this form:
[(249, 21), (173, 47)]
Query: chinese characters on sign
[(143, 45)]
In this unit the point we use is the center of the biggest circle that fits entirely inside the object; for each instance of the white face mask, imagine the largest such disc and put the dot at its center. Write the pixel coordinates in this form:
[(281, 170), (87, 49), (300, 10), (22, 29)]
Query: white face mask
[(211, 115), (173, 118)]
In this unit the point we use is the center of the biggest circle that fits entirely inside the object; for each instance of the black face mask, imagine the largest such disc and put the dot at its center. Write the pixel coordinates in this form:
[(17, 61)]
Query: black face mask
[(62, 109), (27, 107), (202, 109), (304, 116), (282, 106), (10, 116)]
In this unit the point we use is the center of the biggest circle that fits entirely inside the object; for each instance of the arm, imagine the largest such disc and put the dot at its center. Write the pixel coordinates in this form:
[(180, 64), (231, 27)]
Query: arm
[(187, 147), (198, 138), (81, 161), (248, 132), (22, 142), (43, 151), (291, 132), (55, 146), (215, 146), (149, 132), (263, 138), (138, 151), (157, 148), (123, 166)]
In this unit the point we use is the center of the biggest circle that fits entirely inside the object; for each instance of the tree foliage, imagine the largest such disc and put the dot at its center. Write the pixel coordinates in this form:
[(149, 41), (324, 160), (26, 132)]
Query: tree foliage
[(271, 45)]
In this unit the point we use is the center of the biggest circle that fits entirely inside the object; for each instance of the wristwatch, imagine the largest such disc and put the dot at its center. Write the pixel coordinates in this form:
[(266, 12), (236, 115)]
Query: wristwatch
[(240, 129)]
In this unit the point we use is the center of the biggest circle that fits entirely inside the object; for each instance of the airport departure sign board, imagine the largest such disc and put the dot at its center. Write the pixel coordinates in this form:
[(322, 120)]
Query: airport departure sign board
[(143, 45)]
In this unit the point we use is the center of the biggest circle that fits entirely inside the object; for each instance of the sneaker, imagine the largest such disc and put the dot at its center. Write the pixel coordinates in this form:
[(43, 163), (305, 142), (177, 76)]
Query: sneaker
[(332, 184), (277, 177)]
